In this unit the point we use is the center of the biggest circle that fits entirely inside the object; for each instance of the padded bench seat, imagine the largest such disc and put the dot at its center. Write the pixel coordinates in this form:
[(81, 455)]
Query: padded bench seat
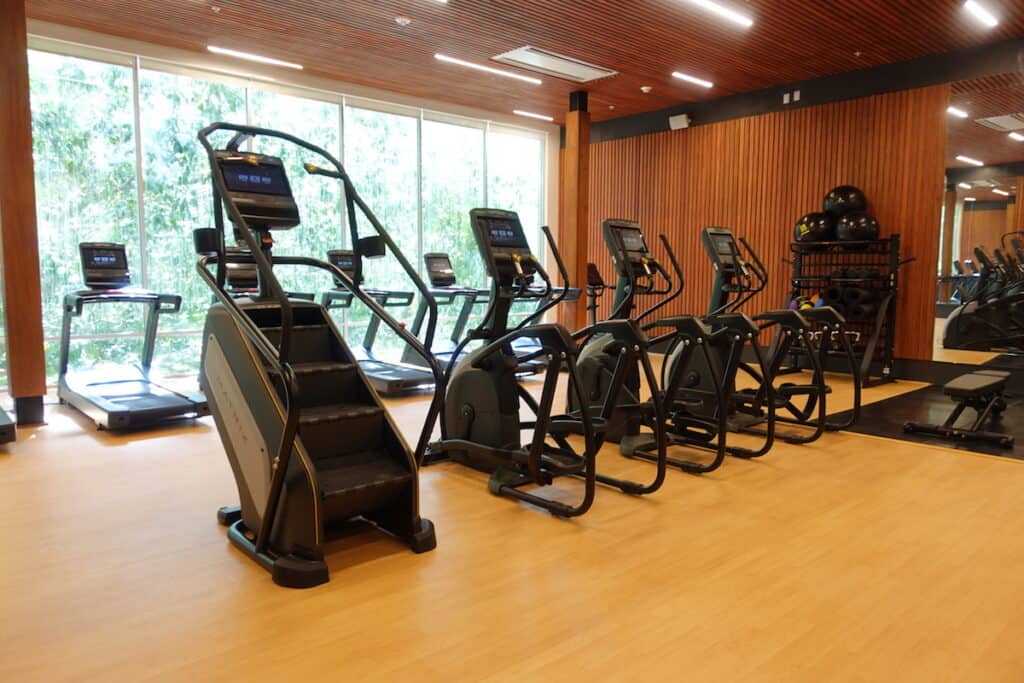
[(977, 384)]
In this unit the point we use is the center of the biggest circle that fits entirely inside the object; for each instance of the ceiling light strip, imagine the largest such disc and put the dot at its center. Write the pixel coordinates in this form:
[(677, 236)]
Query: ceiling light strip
[(530, 114), (981, 13), (957, 112), (724, 12), (969, 160), (488, 69), (692, 79), (251, 57)]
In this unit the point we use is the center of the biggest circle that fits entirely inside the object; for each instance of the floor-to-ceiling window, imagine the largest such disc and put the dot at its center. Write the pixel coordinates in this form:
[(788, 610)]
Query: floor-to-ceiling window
[(86, 191), (117, 159)]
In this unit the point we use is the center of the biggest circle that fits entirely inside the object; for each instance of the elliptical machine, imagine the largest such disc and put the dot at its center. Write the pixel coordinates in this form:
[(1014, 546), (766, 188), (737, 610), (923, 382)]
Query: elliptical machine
[(481, 423), (992, 318)]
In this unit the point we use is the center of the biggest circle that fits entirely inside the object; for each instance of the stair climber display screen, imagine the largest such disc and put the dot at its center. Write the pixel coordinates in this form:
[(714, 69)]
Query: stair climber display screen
[(261, 178)]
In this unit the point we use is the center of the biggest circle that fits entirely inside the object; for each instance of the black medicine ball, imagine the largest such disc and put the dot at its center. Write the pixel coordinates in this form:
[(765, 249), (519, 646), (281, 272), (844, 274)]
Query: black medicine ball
[(857, 226), (845, 199), (815, 227)]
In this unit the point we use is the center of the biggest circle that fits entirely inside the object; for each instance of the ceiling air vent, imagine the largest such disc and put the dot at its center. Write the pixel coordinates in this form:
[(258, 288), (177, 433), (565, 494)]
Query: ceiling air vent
[(559, 66), (1004, 124)]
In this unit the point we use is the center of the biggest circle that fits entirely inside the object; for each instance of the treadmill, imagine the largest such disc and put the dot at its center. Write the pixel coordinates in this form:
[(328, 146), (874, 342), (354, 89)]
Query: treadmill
[(446, 292), (8, 433), (120, 397), (389, 378)]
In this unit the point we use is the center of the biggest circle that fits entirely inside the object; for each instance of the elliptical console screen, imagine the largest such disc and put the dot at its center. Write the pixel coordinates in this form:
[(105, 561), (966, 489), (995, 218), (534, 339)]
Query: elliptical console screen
[(505, 233), (440, 265), (633, 240), (104, 258), (259, 178)]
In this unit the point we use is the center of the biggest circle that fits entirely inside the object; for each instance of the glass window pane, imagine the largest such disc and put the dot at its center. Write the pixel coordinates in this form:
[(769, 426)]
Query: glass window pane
[(178, 197), (453, 183), (381, 156), (84, 149), (318, 197), (515, 180)]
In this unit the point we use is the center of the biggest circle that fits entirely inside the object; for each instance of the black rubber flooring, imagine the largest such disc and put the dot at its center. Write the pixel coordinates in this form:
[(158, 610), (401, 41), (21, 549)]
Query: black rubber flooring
[(1007, 361), (931, 406)]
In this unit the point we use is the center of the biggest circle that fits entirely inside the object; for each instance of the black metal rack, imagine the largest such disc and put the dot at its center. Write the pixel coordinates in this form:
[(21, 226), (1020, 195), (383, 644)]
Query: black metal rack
[(818, 266)]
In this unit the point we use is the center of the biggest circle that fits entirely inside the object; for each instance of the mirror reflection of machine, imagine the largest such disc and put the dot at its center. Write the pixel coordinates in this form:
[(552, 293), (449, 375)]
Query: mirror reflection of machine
[(389, 377), (120, 397)]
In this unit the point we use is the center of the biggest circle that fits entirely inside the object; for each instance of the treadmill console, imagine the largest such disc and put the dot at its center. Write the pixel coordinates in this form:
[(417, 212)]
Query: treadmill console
[(502, 242), (104, 265), (439, 270), (344, 260), (259, 187), (628, 247), (721, 247)]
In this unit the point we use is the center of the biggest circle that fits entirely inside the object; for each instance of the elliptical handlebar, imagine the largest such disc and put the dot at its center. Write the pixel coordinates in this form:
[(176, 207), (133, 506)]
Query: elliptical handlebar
[(562, 271), (680, 281)]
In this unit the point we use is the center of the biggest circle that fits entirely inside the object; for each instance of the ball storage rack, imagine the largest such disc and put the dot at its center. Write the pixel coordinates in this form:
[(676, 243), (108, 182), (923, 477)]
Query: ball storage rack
[(818, 266)]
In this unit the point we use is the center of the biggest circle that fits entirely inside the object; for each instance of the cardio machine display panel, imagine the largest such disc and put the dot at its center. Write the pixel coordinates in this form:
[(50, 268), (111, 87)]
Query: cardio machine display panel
[(632, 240), (104, 258), (342, 259), (439, 270), (720, 245), (505, 233), (261, 178)]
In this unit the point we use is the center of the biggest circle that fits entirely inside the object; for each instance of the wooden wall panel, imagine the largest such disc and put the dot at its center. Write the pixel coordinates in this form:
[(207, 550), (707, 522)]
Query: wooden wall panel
[(759, 175), (981, 229), (18, 218)]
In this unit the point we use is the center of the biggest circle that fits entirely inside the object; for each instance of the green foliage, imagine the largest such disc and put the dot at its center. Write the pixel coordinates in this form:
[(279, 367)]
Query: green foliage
[(86, 184)]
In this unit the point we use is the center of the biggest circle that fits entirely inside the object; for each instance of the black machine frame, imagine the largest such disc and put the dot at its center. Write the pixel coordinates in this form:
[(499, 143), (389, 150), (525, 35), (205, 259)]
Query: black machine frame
[(255, 542)]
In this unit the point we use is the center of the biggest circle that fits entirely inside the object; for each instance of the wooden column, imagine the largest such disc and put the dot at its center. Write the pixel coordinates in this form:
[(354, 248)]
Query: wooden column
[(25, 360), (948, 227), (573, 235)]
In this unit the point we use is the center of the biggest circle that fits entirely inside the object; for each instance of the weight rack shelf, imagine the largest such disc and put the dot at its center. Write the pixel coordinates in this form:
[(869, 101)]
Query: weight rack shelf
[(819, 265)]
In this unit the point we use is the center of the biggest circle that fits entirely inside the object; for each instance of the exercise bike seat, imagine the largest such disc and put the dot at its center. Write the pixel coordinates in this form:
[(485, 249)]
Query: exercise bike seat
[(975, 384)]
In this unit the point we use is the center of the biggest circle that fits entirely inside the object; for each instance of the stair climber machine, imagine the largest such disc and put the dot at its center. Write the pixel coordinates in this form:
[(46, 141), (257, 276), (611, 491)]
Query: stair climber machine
[(389, 377), (121, 397), (688, 422), (482, 427), (992, 317), (309, 442)]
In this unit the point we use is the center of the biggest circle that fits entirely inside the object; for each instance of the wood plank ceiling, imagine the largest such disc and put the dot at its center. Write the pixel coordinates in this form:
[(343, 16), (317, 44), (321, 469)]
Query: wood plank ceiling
[(358, 41)]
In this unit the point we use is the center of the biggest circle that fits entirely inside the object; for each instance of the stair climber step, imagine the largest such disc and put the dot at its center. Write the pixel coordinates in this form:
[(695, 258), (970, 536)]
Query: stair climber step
[(327, 383), (360, 482), (341, 429), (309, 343)]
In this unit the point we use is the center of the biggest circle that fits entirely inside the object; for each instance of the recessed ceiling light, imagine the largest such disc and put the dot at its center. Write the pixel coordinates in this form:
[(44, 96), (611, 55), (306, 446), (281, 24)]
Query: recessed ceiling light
[(724, 12), (969, 160), (1003, 193), (970, 199), (959, 113), (530, 114), (1017, 136), (693, 79), (981, 13), (965, 186), (403, 20), (488, 69), (251, 57), (646, 89)]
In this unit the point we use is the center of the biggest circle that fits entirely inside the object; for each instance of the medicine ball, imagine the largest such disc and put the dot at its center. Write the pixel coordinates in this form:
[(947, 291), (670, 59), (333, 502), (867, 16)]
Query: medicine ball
[(845, 199), (857, 226), (815, 227)]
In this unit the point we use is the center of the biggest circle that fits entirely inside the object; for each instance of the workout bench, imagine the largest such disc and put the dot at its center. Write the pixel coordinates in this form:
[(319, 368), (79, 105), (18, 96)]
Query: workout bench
[(981, 390)]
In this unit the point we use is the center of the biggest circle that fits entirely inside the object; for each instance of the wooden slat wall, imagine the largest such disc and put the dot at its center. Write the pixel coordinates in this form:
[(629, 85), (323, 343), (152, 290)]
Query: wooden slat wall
[(981, 229), (759, 175)]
